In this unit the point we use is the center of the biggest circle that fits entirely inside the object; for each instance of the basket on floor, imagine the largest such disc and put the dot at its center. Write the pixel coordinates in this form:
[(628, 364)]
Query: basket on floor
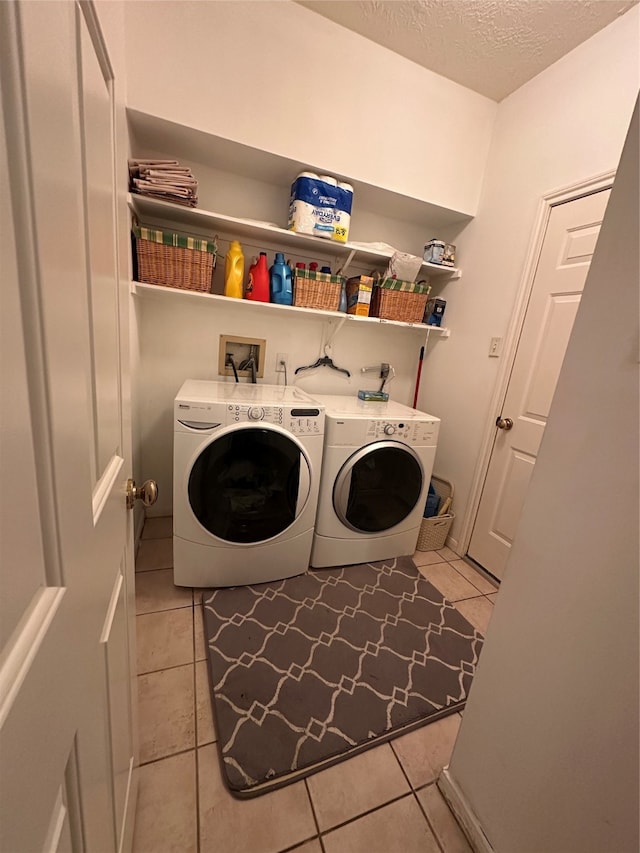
[(393, 299), (434, 531), (174, 260), (313, 289)]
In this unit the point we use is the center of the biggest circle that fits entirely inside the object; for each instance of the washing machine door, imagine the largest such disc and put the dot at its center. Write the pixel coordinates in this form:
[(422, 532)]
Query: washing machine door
[(378, 487), (249, 485)]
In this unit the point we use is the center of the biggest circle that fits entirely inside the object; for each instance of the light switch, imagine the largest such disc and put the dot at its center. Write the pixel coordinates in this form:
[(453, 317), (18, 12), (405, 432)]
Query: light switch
[(495, 348)]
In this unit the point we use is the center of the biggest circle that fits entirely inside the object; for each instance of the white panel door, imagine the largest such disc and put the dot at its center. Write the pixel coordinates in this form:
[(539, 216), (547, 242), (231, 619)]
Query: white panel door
[(66, 713), (568, 245)]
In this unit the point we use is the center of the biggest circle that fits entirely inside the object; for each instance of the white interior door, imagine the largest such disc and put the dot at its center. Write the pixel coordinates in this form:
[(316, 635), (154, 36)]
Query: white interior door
[(568, 245), (67, 748)]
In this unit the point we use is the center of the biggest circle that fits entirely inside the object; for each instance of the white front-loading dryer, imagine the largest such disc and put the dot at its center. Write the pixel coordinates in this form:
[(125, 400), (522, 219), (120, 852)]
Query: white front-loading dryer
[(247, 462), (376, 469)]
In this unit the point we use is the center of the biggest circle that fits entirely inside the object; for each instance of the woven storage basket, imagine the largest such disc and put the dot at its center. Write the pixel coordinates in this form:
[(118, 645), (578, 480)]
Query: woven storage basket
[(312, 289), (434, 531), (174, 260), (393, 299)]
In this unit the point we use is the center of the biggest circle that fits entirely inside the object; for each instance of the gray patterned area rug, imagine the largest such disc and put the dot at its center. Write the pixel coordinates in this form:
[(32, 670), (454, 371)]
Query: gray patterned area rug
[(311, 670)]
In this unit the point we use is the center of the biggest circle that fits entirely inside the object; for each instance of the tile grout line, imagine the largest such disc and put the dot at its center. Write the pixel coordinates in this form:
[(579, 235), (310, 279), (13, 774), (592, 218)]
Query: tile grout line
[(157, 569), (165, 609), (163, 757), (426, 816), (469, 598), (313, 812), (364, 814), (464, 598), (163, 668), (192, 663), (415, 796), (298, 844), (470, 581)]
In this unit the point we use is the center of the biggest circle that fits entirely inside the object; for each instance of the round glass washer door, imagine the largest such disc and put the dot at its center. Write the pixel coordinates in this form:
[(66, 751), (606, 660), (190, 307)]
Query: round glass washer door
[(249, 485), (378, 487)]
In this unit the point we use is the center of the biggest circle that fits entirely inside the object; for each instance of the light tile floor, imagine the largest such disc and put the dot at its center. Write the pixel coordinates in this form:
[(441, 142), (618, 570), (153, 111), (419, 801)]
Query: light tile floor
[(382, 801)]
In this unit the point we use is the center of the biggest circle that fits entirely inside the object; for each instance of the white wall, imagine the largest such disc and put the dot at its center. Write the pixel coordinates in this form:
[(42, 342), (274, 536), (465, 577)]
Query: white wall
[(279, 77), (547, 754), (564, 126)]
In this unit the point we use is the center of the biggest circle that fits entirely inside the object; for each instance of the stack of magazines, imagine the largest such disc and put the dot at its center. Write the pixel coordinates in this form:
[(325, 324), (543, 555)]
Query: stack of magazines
[(165, 179)]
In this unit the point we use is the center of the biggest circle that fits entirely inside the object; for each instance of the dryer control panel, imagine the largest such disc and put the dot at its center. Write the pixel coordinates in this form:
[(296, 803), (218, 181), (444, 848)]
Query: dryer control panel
[(351, 432), (409, 432), (299, 421)]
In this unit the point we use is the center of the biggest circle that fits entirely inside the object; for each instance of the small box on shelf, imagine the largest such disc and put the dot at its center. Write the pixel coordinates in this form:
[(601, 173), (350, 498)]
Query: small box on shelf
[(359, 289), (439, 252), (434, 311)]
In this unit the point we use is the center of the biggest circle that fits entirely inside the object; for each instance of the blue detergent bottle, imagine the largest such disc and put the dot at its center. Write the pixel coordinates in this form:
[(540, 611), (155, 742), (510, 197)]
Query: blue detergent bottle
[(280, 281)]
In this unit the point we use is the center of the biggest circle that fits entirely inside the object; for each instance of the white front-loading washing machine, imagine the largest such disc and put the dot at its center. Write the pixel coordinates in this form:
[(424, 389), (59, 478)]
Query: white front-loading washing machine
[(376, 469), (246, 473)]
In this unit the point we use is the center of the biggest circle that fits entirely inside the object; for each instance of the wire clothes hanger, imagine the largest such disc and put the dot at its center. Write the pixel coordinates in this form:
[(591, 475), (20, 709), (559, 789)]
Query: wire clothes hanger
[(323, 361)]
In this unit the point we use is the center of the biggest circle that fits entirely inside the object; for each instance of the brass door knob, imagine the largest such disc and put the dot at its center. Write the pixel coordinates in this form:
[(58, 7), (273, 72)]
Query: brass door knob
[(147, 493), (504, 423)]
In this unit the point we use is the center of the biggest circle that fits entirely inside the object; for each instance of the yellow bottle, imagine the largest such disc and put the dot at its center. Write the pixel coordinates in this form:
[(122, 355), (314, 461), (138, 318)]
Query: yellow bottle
[(234, 271)]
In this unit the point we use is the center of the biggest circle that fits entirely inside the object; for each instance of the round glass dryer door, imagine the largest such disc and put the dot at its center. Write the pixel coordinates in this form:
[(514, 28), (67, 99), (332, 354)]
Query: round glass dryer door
[(249, 485), (378, 487)]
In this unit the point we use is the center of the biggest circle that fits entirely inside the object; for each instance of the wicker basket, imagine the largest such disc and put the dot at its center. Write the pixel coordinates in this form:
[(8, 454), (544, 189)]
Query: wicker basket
[(393, 299), (434, 531), (174, 260), (312, 289)]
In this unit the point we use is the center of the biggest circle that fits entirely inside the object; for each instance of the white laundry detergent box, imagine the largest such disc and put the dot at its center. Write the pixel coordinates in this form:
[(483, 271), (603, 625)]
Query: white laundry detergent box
[(320, 205)]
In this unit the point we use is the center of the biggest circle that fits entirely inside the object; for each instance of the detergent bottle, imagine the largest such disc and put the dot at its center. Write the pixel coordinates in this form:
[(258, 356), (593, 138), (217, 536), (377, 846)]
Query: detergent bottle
[(234, 271), (280, 281), (258, 286), (342, 304)]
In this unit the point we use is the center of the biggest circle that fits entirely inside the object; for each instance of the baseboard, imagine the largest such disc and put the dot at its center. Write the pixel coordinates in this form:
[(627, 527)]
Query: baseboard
[(464, 814), (138, 524), (453, 544), (129, 817)]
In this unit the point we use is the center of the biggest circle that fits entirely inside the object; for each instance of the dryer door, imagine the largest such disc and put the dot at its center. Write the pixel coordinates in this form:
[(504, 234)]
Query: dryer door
[(249, 485), (378, 487)]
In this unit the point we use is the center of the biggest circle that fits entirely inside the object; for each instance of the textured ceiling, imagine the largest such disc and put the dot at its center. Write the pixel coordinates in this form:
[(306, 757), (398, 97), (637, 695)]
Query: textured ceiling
[(490, 46)]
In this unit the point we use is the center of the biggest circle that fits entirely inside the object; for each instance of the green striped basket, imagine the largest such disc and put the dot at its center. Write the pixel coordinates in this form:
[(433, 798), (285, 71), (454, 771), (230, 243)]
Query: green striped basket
[(174, 260), (393, 299)]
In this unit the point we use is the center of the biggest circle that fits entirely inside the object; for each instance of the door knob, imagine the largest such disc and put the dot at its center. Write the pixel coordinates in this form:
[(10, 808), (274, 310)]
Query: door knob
[(147, 493), (504, 423)]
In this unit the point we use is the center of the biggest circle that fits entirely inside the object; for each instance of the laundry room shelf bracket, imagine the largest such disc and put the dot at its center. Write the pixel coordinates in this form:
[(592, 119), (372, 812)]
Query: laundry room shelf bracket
[(346, 264)]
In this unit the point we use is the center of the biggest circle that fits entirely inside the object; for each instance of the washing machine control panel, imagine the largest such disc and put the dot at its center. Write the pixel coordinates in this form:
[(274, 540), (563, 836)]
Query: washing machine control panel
[(299, 421)]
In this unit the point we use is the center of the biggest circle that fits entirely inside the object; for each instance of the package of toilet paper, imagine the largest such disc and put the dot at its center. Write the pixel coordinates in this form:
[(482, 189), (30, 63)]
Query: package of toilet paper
[(321, 206)]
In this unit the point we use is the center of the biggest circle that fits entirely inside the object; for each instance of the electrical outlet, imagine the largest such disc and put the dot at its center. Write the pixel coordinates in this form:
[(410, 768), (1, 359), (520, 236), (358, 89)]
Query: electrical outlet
[(495, 348), (282, 357)]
